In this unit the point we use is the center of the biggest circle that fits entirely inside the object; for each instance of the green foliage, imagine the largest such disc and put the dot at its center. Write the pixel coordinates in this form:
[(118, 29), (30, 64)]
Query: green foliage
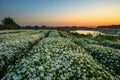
[(58, 59), (14, 46), (9, 23), (57, 55), (81, 35), (54, 33), (103, 37), (105, 55), (112, 44)]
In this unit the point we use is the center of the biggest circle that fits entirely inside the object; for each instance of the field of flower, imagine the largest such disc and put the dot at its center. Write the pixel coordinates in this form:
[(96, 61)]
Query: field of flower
[(58, 55)]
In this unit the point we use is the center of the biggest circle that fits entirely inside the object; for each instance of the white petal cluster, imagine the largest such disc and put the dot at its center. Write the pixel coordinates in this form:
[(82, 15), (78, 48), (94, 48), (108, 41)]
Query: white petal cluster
[(54, 55), (13, 46), (54, 33), (105, 55), (57, 59)]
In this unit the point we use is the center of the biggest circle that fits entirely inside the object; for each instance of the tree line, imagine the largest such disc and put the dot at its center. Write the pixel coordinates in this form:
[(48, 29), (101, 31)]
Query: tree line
[(9, 24)]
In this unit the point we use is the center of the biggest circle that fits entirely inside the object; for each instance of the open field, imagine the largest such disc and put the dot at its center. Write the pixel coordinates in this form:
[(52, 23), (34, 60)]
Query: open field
[(46, 54)]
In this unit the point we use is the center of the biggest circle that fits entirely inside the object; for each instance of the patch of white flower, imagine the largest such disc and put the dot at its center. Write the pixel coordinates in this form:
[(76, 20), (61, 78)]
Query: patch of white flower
[(13, 46), (57, 59), (105, 55), (54, 33)]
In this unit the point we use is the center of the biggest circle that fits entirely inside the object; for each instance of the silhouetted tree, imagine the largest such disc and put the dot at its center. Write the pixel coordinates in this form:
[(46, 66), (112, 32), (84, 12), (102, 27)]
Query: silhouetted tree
[(9, 23), (43, 26), (36, 27)]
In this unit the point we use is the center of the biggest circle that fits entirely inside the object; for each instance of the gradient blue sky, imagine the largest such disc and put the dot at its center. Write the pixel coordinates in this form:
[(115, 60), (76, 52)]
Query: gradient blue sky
[(62, 12)]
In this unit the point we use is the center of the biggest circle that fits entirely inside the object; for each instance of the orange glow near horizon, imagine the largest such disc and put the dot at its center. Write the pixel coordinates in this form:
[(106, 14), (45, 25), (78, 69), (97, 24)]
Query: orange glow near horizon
[(84, 20), (63, 12)]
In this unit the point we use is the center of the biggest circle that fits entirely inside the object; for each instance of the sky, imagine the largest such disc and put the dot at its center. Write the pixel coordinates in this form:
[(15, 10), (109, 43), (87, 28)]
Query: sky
[(62, 12)]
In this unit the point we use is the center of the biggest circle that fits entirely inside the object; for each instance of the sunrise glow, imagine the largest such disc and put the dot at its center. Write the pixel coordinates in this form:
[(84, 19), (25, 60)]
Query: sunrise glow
[(62, 12)]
